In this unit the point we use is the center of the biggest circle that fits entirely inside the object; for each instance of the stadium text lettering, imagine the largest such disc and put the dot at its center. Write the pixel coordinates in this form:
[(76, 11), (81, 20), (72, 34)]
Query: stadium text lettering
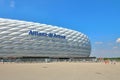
[(52, 35)]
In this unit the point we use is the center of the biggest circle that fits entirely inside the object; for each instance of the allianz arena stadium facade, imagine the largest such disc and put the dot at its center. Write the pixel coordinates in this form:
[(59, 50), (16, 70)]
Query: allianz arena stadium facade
[(21, 38)]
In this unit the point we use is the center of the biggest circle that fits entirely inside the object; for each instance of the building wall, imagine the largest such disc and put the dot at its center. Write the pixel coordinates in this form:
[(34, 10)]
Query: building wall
[(21, 38)]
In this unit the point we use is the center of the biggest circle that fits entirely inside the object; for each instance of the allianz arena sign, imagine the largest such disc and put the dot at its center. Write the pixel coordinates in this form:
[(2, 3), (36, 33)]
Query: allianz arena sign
[(51, 35)]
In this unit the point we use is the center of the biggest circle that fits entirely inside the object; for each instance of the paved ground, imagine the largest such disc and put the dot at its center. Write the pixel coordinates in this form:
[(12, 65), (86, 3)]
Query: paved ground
[(59, 71)]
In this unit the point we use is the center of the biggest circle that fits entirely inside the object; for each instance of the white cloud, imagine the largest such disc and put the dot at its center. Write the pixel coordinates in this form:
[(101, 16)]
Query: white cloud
[(98, 42), (12, 4), (115, 47), (106, 52), (118, 40)]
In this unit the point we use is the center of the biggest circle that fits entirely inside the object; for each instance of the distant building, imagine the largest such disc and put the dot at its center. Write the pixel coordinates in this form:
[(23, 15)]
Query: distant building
[(22, 38)]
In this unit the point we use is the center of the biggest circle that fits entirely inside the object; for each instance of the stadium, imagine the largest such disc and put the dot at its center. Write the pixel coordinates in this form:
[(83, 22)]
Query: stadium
[(29, 40)]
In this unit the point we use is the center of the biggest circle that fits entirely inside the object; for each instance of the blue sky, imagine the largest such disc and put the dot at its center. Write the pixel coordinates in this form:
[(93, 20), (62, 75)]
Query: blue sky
[(99, 19)]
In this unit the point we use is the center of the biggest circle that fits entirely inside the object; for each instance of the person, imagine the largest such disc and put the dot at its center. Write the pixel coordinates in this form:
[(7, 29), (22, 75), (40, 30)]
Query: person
[(113, 62), (2, 61)]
